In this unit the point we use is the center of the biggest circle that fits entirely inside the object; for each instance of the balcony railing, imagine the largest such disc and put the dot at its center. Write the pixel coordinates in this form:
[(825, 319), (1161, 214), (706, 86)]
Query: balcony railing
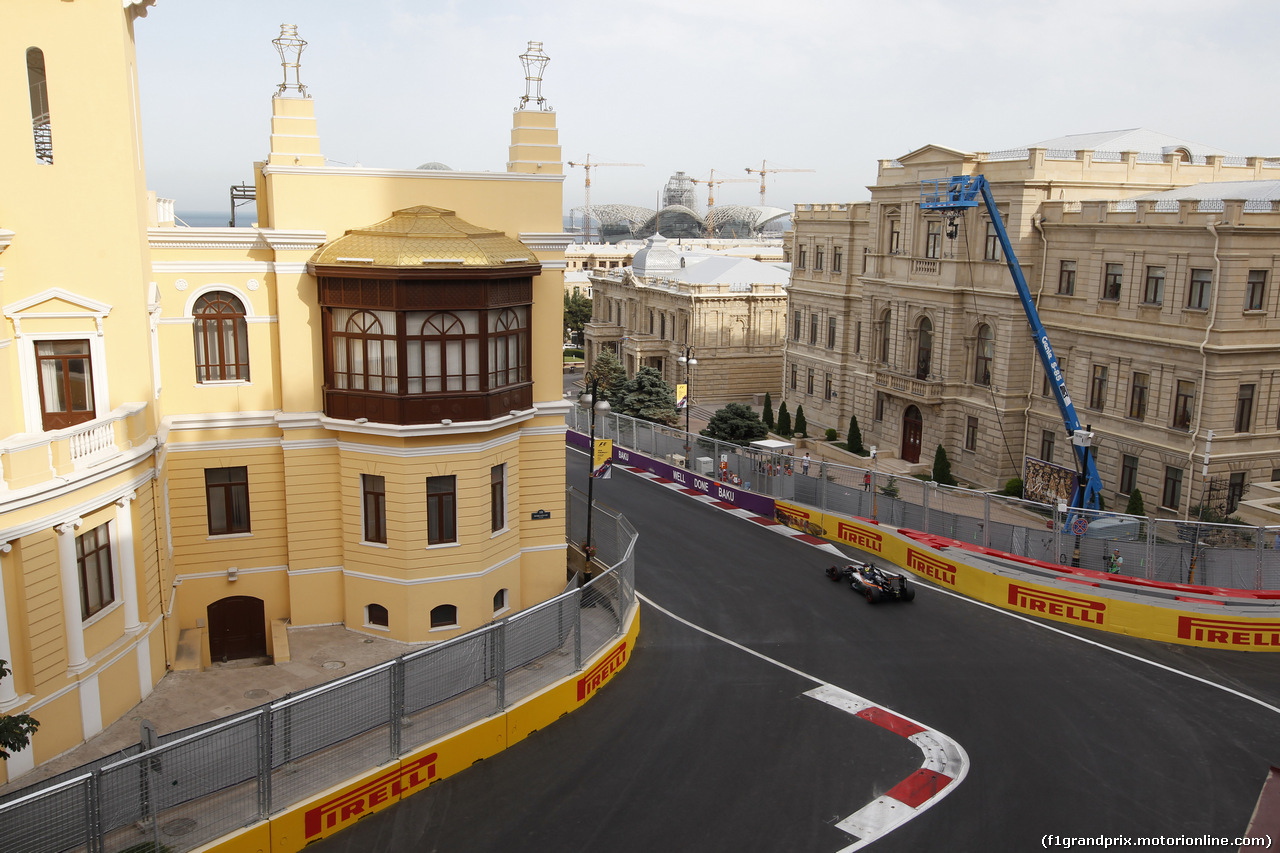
[(29, 459), (921, 266), (922, 389)]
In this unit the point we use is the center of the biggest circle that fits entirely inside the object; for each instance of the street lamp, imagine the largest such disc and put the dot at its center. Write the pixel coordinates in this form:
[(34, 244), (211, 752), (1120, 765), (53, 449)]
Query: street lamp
[(688, 361), (591, 399)]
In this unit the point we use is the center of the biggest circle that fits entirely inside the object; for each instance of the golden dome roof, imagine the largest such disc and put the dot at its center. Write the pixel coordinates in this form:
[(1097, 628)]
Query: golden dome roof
[(424, 238)]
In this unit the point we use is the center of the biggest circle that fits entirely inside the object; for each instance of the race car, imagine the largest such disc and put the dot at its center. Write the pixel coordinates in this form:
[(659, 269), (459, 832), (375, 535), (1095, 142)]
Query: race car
[(873, 582)]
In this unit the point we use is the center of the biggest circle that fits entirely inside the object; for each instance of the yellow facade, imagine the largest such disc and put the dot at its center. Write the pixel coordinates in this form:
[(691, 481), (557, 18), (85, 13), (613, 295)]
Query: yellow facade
[(176, 473)]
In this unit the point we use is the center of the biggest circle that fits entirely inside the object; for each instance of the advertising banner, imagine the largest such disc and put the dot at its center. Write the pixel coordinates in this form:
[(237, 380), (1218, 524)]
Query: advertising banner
[(682, 396), (602, 459)]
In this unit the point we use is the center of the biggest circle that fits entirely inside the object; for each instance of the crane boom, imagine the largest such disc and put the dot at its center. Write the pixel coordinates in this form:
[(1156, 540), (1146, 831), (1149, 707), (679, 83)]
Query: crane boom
[(764, 170), (712, 183), (956, 194), (587, 166)]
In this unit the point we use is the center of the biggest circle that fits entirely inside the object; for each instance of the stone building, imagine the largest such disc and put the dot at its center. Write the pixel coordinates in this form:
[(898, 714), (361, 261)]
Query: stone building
[(730, 310), (1151, 261)]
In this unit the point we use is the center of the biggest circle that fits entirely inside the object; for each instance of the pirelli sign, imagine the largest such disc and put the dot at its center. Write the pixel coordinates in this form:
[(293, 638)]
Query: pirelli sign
[(594, 679), (1042, 602), (355, 803), (860, 537), (931, 566), (1231, 634)]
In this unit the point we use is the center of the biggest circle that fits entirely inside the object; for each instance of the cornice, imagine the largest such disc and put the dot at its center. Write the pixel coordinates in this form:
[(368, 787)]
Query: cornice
[(546, 241), (365, 172), (6, 237), (235, 238)]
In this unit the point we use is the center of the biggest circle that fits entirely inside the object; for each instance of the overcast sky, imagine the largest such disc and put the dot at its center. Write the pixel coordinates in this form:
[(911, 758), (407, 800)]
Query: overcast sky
[(695, 85)]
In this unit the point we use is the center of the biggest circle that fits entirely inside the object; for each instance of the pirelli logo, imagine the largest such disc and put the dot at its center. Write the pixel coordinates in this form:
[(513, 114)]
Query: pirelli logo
[(1046, 603), (931, 566), (357, 802), (790, 515), (1234, 635), (867, 540), (601, 672)]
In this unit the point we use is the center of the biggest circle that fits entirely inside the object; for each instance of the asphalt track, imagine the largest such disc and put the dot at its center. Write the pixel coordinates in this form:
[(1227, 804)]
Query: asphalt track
[(699, 746)]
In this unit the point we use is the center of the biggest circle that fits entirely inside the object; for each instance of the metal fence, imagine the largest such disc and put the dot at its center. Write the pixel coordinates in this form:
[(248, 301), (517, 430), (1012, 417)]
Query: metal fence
[(208, 781), (1171, 551)]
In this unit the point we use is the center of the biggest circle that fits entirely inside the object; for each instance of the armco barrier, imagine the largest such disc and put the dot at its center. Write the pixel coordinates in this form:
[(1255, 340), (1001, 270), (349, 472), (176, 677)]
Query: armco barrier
[(337, 808), (946, 567)]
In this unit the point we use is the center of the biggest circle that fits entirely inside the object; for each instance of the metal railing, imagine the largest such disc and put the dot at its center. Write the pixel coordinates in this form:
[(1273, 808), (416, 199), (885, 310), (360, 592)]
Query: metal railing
[(1162, 550), (205, 782)]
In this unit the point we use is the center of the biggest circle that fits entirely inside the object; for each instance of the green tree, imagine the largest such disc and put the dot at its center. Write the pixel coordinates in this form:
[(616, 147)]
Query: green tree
[(577, 311), (1013, 488), (890, 488), (802, 426), (737, 423), (783, 427), (855, 438), (832, 435), (768, 410), (612, 376), (942, 468), (1135, 507), (649, 398), (15, 729)]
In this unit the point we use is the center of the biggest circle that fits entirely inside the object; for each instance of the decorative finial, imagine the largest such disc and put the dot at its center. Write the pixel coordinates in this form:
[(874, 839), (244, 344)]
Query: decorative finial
[(534, 60), (289, 46)]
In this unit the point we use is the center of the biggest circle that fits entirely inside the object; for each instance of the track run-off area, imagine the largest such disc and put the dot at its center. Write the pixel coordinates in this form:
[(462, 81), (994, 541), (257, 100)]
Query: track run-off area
[(766, 708)]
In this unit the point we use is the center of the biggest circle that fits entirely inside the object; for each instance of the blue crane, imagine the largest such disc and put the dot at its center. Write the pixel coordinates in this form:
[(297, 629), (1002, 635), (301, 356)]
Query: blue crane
[(957, 194)]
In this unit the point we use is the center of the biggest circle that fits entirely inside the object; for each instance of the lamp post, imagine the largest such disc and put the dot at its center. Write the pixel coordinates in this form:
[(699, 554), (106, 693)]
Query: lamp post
[(591, 399), (686, 358)]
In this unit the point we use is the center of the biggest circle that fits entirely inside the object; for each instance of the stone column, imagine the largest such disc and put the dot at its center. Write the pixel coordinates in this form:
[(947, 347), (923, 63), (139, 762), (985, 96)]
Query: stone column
[(8, 688), (70, 578), (128, 569)]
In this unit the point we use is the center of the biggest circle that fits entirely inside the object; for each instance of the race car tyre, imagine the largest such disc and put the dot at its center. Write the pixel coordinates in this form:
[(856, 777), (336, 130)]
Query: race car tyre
[(873, 596), (908, 593)]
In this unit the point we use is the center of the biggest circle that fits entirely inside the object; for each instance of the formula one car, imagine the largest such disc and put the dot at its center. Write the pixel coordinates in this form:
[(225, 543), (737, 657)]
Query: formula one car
[(873, 582)]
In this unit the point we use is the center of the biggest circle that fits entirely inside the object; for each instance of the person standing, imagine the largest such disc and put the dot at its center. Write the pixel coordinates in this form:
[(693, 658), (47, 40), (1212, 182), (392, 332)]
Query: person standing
[(804, 464), (866, 482), (1116, 563)]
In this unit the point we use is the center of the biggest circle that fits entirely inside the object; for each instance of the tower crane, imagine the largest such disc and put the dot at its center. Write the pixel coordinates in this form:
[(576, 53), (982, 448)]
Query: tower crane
[(587, 166), (764, 170), (711, 183)]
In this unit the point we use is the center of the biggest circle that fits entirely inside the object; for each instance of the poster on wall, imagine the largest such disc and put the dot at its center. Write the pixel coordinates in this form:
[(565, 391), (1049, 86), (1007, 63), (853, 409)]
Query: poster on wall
[(1048, 483)]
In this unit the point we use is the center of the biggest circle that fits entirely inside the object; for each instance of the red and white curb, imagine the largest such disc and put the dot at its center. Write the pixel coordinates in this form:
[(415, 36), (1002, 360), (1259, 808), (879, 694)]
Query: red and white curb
[(770, 523)]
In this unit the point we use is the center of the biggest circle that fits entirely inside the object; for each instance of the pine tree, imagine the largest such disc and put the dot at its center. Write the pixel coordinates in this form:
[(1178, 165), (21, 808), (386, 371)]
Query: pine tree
[(942, 468), (784, 420), (767, 415), (648, 397), (1135, 506), (855, 437), (736, 422), (16, 729), (802, 428), (613, 377)]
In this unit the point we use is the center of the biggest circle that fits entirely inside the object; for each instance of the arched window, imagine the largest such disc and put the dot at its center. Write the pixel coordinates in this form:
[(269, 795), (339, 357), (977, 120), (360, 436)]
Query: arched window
[(444, 616), (884, 337), (983, 355), (39, 90), (376, 614), (222, 339), (509, 346), (364, 351), (500, 600), (924, 349), (444, 351)]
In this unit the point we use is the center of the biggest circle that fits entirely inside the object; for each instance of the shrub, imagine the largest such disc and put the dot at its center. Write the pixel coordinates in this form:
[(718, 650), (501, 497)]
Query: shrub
[(802, 426), (942, 468), (736, 422), (890, 488), (1013, 488), (855, 438), (767, 414), (783, 427), (1135, 507), (832, 435)]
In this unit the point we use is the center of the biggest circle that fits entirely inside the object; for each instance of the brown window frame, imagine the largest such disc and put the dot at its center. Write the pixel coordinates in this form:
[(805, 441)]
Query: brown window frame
[(1098, 388), (970, 433), (1199, 288), (77, 394), (444, 616), (373, 503), (1139, 391), (984, 356), (1184, 399), (219, 319), (1047, 440), (93, 565), (817, 258), (1112, 282), (442, 510), (1067, 278), (366, 339), (831, 333), (1255, 298), (1128, 473), (1244, 407), (232, 495), (377, 615), (498, 498), (836, 259), (1171, 493), (1153, 288), (924, 349), (933, 239), (992, 251)]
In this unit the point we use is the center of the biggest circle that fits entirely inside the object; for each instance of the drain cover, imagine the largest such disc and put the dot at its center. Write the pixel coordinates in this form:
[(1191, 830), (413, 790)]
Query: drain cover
[(257, 693), (181, 826), (334, 664)]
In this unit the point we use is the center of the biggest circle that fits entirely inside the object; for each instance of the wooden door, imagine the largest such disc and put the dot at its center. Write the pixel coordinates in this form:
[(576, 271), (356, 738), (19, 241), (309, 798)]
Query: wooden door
[(912, 426), (237, 628)]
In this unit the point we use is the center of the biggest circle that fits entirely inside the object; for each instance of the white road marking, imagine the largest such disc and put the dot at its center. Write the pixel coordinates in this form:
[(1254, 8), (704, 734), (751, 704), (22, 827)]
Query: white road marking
[(883, 814)]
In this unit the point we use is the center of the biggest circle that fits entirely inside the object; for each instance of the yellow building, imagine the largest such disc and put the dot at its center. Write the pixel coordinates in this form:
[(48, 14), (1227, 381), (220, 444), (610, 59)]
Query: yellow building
[(348, 413)]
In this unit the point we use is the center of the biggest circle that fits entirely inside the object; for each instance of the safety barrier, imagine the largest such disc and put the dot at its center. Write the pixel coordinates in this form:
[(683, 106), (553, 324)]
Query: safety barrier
[(305, 766), (1161, 550)]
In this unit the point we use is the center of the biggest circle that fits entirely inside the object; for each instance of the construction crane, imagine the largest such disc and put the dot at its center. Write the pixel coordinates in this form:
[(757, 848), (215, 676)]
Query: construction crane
[(587, 166), (711, 183), (951, 197), (764, 170)]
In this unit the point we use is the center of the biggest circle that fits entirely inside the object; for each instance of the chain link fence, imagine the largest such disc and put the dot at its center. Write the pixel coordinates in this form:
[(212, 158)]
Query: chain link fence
[(1168, 551), (205, 782)]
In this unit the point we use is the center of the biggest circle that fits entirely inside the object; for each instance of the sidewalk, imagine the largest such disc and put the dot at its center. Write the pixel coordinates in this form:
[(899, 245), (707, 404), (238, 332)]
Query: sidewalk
[(184, 699)]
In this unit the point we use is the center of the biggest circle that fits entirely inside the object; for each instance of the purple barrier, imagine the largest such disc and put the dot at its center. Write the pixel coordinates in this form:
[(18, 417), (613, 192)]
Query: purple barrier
[(741, 498)]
